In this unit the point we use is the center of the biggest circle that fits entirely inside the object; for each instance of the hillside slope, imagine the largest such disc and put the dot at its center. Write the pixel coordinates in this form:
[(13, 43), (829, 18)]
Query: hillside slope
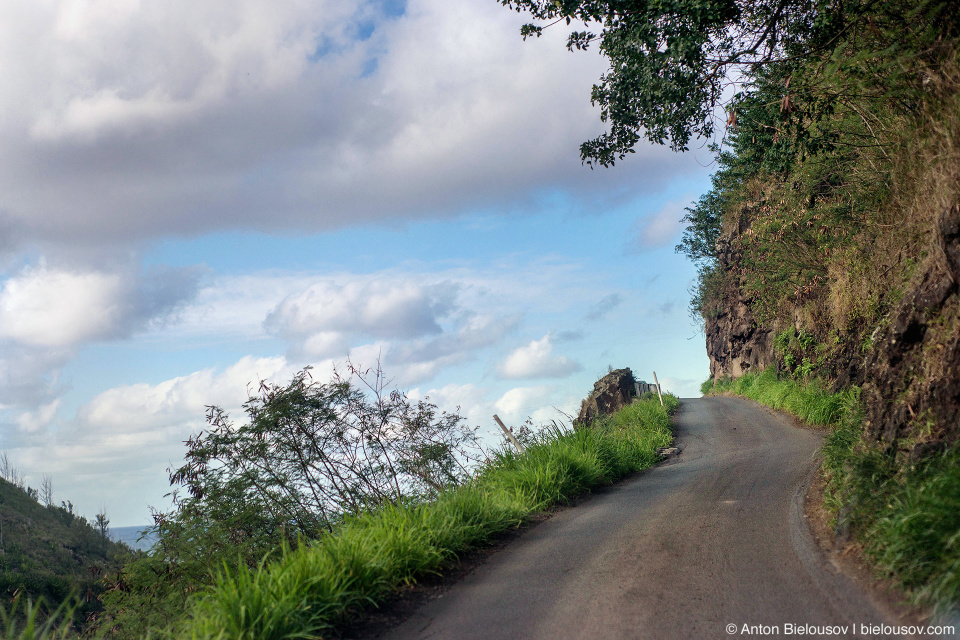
[(51, 552), (834, 225)]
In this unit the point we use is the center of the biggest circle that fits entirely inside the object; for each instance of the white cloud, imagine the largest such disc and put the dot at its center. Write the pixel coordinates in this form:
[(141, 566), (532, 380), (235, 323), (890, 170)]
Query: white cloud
[(33, 421), (536, 360), (126, 120), (147, 408), (468, 400), (56, 308), (520, 403), (48, 308), (47, 313), (124, 65), (664, 227), (422, 359), (322, 319)]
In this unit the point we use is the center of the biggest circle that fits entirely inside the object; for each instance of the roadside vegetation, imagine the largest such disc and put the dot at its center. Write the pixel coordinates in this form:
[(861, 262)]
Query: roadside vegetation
[(326, 500), (311, 589), (907, 516), (828, 243)]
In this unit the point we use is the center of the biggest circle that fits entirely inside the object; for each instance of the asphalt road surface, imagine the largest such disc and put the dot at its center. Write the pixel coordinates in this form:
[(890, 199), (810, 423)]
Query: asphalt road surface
[(712, 538)]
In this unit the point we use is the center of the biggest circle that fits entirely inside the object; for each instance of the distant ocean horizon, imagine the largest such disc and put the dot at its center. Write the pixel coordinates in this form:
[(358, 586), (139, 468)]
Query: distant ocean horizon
[(131, 536)]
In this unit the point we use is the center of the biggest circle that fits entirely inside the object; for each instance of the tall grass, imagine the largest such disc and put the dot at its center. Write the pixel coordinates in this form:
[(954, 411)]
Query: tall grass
[(809, 401), (29, 620), (312, 589), (906, 515), (915, 534)]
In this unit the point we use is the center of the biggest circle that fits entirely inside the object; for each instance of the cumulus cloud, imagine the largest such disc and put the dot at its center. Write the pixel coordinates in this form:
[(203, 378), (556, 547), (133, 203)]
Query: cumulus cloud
[(142, 408), (55, 308), (520, 403), (129, 120), (537, 360), (322, 319), (422, 359), (33, 421), (415, 324), (48, 313), (467, 400)]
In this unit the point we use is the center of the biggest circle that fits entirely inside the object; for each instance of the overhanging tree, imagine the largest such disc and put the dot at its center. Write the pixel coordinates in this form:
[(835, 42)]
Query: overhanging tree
[(671, 60)]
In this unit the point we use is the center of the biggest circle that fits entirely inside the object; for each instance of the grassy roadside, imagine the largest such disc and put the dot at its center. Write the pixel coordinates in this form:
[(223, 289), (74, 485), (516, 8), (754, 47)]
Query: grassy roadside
[(310, 590), (905, 514)]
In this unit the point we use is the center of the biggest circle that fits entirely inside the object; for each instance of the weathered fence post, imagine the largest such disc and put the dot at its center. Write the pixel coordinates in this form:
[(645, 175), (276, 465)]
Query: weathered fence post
[(509, 434), (660, 395)]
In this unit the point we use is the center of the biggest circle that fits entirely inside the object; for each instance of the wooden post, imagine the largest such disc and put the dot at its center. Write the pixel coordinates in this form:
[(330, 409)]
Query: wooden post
[(660, 395), (509, 434)]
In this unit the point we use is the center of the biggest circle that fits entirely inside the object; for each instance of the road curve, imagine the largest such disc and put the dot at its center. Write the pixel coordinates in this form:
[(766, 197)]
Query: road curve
[(712, 538)]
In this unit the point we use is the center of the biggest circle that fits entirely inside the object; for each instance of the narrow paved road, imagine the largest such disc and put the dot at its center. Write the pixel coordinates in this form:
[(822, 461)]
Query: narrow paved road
[(715, 537)]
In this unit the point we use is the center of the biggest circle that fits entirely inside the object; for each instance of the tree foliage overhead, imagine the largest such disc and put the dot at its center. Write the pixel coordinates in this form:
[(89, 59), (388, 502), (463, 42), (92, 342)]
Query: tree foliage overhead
[(671, 60)]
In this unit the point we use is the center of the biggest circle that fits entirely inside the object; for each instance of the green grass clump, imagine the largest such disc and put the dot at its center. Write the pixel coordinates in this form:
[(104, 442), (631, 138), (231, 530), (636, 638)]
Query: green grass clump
[(809, 401), (916, 533), (314, 588), (33, 622)]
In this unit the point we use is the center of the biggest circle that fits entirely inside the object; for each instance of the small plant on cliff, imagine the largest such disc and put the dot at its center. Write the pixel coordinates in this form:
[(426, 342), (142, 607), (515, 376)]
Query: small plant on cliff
[(799, 352)]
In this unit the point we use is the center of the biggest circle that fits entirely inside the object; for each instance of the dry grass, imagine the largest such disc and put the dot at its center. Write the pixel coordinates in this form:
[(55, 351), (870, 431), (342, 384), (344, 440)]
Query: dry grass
[(924, 170)]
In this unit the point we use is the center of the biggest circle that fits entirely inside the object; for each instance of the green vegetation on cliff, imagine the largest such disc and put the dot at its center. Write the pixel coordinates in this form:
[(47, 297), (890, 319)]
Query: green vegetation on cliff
[(829, 249), (50, 553)]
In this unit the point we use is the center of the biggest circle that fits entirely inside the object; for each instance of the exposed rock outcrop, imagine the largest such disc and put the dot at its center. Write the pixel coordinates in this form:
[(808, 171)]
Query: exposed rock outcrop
[(736, 344), (909, 369), (610, 393), (912, 373)]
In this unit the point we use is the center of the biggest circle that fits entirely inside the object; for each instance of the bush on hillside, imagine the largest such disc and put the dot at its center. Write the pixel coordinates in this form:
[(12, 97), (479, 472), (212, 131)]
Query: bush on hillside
[(309, 456)]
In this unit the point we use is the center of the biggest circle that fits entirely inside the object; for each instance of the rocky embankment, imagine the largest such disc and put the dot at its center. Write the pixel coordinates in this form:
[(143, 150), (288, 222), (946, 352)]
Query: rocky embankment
[(908, 364), (736, 343)]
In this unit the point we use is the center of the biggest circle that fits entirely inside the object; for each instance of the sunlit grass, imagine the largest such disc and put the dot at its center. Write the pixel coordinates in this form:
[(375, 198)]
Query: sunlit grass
[(916, 533), (310, 590), (809, 401)]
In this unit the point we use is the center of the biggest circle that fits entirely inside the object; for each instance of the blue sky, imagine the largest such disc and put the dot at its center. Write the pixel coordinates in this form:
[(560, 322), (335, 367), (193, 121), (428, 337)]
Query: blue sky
[(196, 196)]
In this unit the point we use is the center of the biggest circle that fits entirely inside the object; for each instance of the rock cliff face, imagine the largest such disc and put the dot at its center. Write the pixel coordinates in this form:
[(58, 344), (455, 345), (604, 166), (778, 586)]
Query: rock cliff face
[(909, 369), (912, 373), (736, 344)]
